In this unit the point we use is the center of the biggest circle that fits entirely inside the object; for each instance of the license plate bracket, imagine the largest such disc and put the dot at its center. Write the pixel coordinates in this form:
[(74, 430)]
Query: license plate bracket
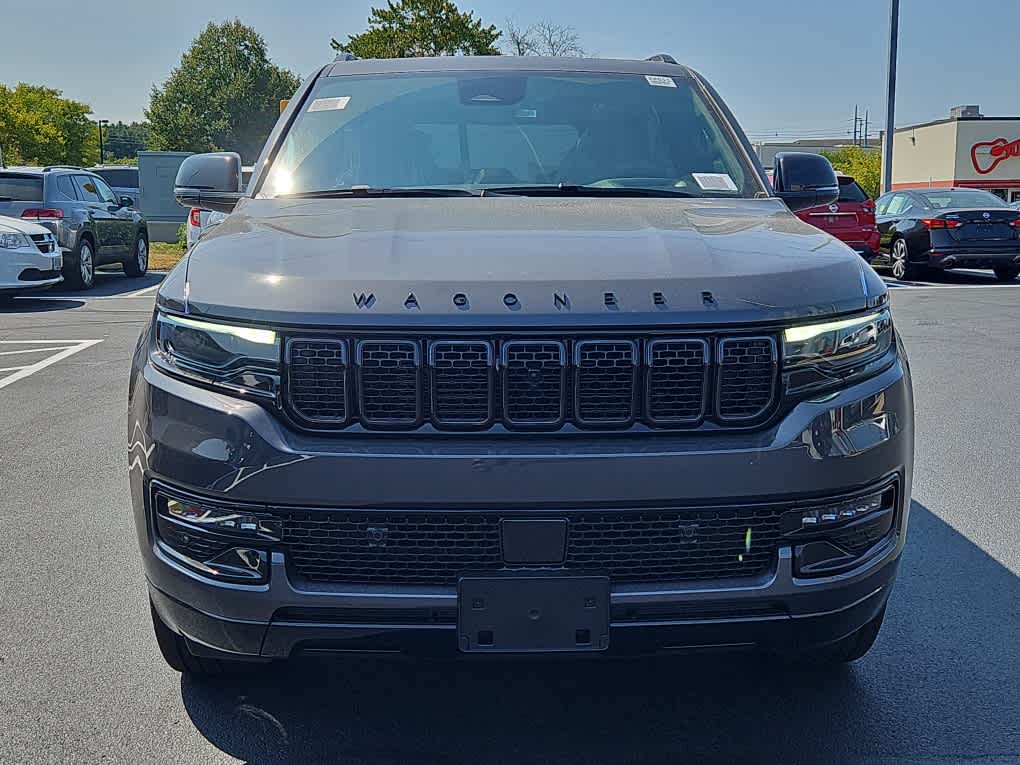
[(533, 614)]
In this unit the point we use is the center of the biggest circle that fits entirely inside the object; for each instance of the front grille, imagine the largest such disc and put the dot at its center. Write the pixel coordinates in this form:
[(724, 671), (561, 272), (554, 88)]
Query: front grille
[(519, 383), (433, 548)]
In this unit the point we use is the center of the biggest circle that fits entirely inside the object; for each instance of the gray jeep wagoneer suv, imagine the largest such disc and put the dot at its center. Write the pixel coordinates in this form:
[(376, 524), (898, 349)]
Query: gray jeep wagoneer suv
[(516, 355)]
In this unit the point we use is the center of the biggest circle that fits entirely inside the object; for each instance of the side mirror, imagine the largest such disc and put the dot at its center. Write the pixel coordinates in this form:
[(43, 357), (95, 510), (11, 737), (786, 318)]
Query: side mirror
[(804, 180), (127, 202), (209, 181)]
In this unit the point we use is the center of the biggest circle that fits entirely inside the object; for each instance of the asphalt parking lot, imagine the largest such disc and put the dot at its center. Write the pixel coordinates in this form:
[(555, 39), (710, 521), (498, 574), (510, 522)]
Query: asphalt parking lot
[(81, 679)]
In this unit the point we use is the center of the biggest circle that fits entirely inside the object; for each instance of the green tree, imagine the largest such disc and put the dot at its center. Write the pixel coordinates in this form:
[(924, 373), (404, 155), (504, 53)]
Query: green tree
[(421, 28), (122, 141), (864, 166), (40, 127), (224, 96)]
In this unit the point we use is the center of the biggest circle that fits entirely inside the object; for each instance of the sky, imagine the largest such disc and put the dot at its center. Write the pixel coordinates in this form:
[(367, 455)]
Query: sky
[(789, 69)]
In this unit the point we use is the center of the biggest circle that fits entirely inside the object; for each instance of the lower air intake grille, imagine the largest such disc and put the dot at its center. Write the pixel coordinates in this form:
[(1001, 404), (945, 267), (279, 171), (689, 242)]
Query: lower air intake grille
[(437, 548), (747, 377), (388, 382)]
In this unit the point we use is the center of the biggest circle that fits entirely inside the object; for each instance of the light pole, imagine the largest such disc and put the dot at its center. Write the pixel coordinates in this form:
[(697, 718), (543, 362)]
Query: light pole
[(100, 123), (890, 112)]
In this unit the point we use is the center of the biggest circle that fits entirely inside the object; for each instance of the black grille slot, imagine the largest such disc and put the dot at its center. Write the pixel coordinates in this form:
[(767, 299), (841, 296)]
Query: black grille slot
[(533, 381), (605, 375), (43, 242), (317, 380), (677, 376), (747, 377), (437, 548), (461, 382), (389, 383)]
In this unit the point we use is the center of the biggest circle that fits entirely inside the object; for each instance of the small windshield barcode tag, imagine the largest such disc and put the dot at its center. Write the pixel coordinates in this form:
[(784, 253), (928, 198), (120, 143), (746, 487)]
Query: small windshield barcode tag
[(659, 81), (329, 104), (714, 181)]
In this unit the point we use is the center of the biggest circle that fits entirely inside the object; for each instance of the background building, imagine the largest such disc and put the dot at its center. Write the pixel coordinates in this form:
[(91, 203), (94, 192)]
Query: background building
[(967, 149)]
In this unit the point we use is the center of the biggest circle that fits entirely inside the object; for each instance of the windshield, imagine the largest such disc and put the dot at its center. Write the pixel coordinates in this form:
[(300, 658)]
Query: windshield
[(478, 131), (945, 200)]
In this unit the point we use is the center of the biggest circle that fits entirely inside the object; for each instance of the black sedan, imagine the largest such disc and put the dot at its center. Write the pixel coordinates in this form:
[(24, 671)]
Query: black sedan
[(947, 228)]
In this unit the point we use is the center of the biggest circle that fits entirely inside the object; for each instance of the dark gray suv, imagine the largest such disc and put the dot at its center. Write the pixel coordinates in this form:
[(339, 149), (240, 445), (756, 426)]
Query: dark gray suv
[(93, 226), (513, 356)]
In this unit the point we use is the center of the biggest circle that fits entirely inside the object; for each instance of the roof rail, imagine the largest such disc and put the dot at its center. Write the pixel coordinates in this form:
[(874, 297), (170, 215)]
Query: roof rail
[(664, 58), (61, 167), (345, 57)]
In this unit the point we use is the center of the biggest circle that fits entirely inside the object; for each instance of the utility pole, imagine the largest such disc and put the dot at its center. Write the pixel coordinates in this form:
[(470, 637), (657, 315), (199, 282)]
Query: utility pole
[(866, 114), (102, 155), (855, 124), (890, 111)]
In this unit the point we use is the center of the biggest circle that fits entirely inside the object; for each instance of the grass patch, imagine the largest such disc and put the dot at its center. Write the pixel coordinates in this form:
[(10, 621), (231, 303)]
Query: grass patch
[(164, 255)]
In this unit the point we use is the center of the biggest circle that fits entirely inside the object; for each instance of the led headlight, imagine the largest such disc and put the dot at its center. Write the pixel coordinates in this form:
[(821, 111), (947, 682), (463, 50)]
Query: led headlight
[(242, 359), (833, 351)]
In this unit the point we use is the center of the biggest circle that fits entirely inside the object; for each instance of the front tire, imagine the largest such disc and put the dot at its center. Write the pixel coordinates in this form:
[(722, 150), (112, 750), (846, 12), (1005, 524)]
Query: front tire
[(1006, 273), (902, 268), (80, 271), (138, 265)]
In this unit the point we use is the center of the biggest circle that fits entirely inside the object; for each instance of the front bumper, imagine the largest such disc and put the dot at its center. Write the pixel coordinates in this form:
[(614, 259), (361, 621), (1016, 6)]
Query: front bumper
[(28, 269), (221, 447)]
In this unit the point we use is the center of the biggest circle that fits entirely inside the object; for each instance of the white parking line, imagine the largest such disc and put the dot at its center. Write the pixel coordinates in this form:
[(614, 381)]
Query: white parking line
[(143, 292), (32, 350), (72, 347)]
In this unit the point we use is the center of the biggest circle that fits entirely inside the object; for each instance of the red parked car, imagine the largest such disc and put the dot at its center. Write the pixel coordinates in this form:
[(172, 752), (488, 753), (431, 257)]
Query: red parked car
[(851, 218)]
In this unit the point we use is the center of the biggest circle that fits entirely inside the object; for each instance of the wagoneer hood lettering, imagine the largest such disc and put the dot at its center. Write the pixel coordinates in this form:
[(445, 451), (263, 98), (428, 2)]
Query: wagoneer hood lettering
[(485, 260)]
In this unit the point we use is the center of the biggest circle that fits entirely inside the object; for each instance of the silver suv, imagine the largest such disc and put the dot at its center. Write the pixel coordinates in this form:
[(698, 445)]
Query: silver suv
[(93, 226)]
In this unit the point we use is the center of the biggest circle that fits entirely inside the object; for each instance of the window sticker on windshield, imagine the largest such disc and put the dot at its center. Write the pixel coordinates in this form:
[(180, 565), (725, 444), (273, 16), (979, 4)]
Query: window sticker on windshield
[(714, 181), (329, 104), (659, 81)]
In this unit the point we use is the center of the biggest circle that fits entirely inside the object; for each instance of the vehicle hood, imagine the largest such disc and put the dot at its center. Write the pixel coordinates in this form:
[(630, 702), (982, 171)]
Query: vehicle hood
[(22, 227), (518, 261)]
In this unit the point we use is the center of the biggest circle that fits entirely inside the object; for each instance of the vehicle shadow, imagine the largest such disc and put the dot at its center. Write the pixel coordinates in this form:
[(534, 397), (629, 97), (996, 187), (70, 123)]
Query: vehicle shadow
[(61, 298), (38, 303), (109, 284), (942, 679)]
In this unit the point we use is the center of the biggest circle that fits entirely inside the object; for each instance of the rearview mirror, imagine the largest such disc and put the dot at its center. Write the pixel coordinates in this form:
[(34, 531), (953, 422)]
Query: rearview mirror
[(804, 180), (209, 181), (127, 202)]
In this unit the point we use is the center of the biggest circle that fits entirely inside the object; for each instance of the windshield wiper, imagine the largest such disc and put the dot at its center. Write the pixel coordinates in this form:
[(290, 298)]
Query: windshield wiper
[(576, 190), (370, 192)]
